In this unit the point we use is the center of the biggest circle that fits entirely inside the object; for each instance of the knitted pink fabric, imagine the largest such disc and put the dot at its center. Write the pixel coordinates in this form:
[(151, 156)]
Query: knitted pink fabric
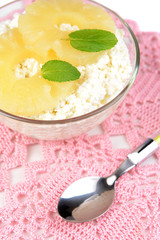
[(29, 210)]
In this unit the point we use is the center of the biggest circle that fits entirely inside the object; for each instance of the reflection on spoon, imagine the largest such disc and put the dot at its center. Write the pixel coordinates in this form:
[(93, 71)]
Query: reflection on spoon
[(87, 209)]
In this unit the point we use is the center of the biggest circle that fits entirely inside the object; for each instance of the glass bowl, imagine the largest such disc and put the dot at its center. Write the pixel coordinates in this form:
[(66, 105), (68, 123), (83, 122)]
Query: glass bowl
[(63, 129)]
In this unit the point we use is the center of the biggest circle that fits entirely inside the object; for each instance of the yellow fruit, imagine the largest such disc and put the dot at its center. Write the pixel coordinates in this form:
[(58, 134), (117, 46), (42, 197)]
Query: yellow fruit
[(40, 27), (29, 95)]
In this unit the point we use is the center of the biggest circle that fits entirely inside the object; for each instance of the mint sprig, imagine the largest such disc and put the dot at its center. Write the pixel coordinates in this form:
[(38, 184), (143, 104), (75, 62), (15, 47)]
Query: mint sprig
[(59, 71), (88, 40), (92, 40)]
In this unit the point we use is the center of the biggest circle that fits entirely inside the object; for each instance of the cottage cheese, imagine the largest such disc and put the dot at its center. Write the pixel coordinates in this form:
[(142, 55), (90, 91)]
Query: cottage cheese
[(27, 69), (9, 24), (102, 80), (68, 27)]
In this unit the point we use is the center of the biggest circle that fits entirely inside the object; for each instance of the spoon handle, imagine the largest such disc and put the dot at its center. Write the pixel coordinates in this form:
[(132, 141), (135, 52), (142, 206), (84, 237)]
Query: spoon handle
[(137, 156)]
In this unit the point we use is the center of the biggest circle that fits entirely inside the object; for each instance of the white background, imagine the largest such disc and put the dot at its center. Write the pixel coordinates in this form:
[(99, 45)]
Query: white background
[(145, 12)]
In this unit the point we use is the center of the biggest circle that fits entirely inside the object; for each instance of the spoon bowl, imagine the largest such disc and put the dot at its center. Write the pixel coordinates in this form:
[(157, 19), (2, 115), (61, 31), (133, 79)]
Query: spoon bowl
[(86, 199)]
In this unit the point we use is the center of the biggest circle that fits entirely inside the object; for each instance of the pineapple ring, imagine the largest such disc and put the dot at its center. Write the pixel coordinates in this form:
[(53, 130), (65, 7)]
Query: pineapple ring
[(26, 96), (39, 27)]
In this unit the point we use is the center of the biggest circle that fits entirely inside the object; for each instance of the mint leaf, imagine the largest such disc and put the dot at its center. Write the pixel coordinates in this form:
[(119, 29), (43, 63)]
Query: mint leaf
[(59, 71), (92, 40)]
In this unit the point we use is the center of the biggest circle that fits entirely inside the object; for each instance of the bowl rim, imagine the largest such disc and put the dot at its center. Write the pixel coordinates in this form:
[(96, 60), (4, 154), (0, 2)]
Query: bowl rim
[(100, 109)]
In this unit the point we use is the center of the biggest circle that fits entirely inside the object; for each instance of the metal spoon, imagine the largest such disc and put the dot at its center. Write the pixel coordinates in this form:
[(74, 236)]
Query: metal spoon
[(90, 197)]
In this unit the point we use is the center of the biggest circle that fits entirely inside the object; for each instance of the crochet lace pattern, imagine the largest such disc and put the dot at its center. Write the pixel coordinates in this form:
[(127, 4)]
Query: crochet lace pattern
[(29, 204)]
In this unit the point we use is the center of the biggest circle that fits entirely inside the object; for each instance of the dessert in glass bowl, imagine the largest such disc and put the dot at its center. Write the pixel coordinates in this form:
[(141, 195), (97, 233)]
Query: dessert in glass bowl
[(65, 66)]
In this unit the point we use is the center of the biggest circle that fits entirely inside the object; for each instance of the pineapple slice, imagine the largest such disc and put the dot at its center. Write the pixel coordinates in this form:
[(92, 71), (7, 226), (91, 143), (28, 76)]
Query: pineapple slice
[(27, 94), (40, 27)]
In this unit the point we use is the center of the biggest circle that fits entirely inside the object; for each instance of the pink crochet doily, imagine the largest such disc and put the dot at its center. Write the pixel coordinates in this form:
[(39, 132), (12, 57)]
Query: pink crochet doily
[(29, 208)]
